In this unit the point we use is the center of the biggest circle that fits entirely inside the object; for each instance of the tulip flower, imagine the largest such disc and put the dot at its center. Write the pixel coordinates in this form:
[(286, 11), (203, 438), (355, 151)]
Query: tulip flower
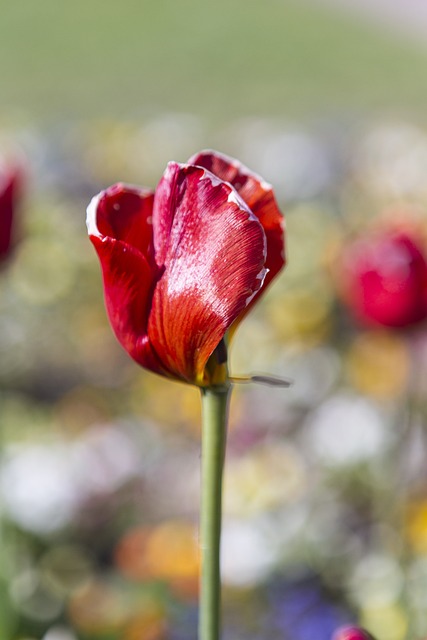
[(10, 184), (183, 264), (181, 267), (352, 633), (383, 278)]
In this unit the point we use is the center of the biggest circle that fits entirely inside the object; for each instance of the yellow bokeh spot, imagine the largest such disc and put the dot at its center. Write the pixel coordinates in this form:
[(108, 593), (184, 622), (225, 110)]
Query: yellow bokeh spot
[(180, 408), (149, 624), (97, 609), (386, 622), (172, 551), (302, 314), (266, 478), (416, 526), (377, 363)]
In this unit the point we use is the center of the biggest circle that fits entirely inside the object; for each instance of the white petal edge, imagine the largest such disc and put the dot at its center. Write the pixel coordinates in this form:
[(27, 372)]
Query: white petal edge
[(234, 163), (91, 212)]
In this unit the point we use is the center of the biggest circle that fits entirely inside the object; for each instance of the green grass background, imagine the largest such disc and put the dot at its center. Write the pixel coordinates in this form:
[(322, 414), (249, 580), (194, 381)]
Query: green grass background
[(220, 59)]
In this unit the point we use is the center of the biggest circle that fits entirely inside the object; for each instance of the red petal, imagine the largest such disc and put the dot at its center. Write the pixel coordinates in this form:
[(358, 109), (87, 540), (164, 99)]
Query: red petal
[(383, 279), (213, 251), (120, 229), (259, 197), (125, 213), (10, 187), (351, 633)]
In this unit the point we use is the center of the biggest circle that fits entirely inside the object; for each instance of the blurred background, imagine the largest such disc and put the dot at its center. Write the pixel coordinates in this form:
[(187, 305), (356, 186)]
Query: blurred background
[(325, 514)]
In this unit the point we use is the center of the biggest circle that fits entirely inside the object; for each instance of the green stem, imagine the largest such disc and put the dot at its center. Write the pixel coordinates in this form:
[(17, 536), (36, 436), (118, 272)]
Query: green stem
[(214, 433)]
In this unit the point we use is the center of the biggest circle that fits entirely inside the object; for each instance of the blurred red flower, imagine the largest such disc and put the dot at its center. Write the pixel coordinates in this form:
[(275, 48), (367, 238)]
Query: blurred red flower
[(181, 265), (351, 633), (383, 278), (10, 190)]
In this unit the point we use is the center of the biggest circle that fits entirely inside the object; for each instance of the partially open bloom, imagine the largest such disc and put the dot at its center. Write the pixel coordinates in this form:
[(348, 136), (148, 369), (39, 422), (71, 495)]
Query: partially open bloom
[(181, 265), (383, 278), (10, 186), (352, 633)]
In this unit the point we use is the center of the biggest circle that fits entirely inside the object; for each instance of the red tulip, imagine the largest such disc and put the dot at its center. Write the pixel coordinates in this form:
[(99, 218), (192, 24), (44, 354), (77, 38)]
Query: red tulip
[(182, 264), (10, 184), (351, 633), (384, 278)]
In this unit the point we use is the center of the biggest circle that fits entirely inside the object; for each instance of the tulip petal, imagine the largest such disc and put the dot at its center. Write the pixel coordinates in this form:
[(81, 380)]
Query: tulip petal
[(212, 249), (383, 278), (119, 225), (10, 191), (125, 213), (259, 196)]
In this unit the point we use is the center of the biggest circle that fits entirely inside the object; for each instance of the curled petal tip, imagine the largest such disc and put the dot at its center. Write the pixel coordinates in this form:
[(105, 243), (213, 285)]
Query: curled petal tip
[(91, 211)]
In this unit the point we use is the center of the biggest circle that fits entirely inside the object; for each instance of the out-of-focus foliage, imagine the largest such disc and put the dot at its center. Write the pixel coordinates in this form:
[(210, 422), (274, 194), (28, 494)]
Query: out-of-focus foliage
[(298, 57), (325, 505)]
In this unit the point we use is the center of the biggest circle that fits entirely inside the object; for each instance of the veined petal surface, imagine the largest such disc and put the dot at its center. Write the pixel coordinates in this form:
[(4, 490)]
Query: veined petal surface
[(259, 196), (212, 251)]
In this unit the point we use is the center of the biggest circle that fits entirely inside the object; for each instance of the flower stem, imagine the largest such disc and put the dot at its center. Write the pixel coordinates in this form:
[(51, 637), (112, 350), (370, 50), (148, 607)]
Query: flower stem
[(214, 433)]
